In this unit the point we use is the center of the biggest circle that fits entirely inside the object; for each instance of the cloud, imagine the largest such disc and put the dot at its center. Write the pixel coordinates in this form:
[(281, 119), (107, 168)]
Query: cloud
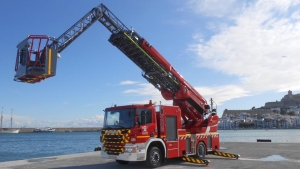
[(149, 92), (18, 121), (222, 94), (128, 82), (95, 121), (251, 48), (28, 122), (215, 8), (144, 89), (295, 15)]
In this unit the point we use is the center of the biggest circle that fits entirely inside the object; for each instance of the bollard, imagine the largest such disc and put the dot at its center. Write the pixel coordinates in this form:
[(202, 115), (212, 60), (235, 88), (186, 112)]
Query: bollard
[(97, 149), (263, 140)]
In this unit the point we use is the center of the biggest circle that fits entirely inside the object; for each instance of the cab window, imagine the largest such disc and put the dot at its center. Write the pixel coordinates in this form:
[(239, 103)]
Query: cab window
[(144, 116)]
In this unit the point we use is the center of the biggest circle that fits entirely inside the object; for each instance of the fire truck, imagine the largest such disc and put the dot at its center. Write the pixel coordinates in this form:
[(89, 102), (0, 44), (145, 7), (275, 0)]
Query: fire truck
[(138, 132)]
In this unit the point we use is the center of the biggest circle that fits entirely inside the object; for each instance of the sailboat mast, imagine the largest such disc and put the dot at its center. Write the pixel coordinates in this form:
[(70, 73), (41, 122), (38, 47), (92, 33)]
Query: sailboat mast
[(1, 117), (11, 119)]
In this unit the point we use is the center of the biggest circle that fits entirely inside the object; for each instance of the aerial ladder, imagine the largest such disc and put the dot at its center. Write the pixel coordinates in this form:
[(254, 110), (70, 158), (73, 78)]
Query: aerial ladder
[(37, 58)]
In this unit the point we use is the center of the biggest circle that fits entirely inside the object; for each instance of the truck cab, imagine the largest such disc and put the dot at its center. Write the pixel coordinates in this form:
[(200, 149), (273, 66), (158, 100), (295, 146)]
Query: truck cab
[(127, 132), (142, 132)]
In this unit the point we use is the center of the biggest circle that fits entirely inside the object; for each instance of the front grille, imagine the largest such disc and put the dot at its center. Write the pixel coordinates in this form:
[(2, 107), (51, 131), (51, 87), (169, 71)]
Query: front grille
[(114, 141)]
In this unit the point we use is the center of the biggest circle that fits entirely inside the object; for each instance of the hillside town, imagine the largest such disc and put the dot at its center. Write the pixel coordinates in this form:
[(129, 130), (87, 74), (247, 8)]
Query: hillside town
[(283, 114)]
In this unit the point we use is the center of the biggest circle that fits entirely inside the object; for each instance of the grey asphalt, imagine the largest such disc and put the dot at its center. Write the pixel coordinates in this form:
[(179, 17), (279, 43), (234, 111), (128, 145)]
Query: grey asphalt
[(253, 155)]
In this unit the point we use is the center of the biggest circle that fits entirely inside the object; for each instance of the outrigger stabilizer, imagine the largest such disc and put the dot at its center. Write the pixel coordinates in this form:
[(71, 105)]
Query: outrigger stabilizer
[(207, 162), (196, 160), (222, 154)]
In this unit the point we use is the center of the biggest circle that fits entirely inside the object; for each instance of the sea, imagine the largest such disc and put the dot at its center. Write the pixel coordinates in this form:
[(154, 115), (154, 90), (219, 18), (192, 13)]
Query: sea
[(23, 146)]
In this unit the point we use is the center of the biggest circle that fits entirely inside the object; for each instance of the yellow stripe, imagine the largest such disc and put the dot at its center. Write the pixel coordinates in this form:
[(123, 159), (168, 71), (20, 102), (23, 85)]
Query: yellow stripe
[(147, 54), (49, 61)]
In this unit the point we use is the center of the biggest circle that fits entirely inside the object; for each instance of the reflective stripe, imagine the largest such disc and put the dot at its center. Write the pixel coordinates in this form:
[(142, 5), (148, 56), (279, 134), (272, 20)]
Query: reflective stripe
[(142, 136)]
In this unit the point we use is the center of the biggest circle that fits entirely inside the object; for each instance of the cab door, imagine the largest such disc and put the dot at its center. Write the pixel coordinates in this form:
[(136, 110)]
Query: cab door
[(172, 137), (170, 117), (146, 121)]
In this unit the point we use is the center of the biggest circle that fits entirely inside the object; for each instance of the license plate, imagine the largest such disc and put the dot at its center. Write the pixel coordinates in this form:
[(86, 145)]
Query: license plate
[(112, 157)]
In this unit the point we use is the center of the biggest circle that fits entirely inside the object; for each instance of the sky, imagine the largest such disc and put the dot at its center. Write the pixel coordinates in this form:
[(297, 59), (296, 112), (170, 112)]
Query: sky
[(241, 53)]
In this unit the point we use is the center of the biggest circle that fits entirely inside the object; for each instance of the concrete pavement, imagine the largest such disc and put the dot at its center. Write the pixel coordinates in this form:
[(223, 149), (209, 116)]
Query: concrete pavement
[(253, 155)]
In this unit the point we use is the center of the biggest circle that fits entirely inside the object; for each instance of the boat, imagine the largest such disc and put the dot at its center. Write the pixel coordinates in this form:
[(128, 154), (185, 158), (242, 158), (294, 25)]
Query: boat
[(8, 131), (44, 130), (11, 131)]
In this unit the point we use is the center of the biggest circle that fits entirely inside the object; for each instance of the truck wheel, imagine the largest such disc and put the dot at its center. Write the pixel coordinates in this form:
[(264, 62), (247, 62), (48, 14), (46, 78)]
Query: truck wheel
[(122, 162), (154, 157), (201, 150)]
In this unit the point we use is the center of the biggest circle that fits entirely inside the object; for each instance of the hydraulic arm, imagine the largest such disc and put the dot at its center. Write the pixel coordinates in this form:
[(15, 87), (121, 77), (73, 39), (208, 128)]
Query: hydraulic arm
[(35, 65)]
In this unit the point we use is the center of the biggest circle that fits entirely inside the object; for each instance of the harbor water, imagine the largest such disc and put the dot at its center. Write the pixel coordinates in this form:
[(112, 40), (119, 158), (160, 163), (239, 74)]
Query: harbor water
[(35, 145)]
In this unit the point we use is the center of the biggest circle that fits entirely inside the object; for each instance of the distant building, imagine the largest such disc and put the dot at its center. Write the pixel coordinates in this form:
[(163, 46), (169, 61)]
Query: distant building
[(288, 101), (279, 114), (252, 112)]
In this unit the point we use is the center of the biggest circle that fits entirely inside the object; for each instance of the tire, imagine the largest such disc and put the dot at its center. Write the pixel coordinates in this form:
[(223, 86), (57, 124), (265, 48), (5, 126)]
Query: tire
[(122, 162), (154, 157), (201, 150)]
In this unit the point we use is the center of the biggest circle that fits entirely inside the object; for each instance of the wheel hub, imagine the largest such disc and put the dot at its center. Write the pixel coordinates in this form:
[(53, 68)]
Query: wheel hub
[(155, 157)]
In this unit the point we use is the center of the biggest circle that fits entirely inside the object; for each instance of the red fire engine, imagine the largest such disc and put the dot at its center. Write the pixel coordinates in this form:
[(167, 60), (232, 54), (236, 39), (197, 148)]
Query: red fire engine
[(139, 132)]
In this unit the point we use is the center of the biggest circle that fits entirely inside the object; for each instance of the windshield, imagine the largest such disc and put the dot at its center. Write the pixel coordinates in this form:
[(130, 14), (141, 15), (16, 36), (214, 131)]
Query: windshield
[(123, 118)]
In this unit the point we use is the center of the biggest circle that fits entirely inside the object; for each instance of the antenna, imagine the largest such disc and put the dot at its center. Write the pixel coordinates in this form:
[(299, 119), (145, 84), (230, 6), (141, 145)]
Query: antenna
[(212, 104)]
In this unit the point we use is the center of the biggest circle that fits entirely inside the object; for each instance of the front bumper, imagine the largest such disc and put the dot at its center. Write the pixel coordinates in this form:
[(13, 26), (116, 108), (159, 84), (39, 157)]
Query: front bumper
[(125, 156), (139, 155)]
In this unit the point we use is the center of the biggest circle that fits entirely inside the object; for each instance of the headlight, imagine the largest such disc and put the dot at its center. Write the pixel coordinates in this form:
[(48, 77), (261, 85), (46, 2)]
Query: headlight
[(130, 149)]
